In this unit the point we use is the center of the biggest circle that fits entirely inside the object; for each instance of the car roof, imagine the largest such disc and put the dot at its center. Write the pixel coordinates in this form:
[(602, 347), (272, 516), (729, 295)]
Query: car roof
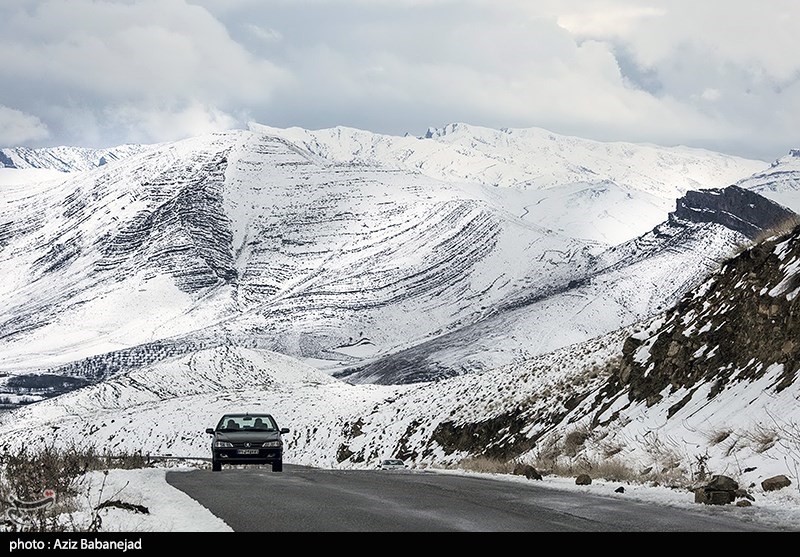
[(246, 414)]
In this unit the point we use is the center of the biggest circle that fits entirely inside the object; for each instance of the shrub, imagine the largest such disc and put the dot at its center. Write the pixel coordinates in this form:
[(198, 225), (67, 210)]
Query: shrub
[(52, 476), (761, 438), (718, 436), (487, 465)]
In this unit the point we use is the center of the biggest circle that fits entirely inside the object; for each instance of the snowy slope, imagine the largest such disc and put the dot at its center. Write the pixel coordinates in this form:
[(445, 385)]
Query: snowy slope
[(259, 236), (713, 382), (681, 395), (244, 234), (65, 159), (608, 192), (622, 285), (780, 182), (243, 270)]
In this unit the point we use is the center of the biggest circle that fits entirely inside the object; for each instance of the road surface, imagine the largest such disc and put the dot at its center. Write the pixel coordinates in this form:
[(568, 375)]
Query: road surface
[(302, 499)]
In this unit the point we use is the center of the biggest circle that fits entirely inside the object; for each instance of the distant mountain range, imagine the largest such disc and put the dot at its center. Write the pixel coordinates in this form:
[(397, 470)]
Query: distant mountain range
[(281, 240), (64, 159), (385, 283)]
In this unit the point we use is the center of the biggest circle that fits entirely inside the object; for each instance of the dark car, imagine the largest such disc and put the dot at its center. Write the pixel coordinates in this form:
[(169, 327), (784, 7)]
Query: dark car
[(247, 439)]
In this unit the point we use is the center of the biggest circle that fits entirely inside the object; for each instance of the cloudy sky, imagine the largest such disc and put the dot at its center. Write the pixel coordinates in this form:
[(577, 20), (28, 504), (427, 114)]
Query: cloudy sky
[(719, 74)]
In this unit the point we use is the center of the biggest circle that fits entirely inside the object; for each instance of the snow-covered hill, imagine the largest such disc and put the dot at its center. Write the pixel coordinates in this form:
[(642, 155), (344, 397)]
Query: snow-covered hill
[(249, 235), (780, 182), (65, 159), (253, 269), (282, 244), (604, 191), (622, 285), (708, 387)]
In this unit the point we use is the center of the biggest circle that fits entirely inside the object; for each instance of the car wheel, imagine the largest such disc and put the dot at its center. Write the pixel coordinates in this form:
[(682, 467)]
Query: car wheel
[(216, 465), (277, 466)]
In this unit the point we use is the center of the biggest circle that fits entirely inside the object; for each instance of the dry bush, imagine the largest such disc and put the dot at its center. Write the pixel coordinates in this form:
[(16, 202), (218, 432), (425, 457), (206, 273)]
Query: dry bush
[(548, 453), (718, 436), (31, 475), (611, 449), (671, 477), (574, 440), (781, 229), (27, 473), (761, 438), (486, 465), (610, 469), (665, 453)]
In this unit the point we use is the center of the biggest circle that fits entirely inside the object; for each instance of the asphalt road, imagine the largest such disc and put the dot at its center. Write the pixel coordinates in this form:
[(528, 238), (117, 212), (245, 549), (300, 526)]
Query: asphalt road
[(302, 499)]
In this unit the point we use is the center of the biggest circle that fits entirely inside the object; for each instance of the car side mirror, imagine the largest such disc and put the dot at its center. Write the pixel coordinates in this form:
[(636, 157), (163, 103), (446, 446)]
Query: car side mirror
[(284, 430), (210, 430)]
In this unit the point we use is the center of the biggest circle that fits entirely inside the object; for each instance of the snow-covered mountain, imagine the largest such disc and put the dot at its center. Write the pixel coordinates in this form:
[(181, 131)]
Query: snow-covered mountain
[(780, 182), (613, 191), (283, 244), (707, 387), (527, 158), (65, 159), (254, 269), (622, 285)]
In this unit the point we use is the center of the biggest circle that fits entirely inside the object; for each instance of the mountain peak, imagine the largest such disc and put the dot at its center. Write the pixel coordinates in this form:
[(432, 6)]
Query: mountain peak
[(457, 129)]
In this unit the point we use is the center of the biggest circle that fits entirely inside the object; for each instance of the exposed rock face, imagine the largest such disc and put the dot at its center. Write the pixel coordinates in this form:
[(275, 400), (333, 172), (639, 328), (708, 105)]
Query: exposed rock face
[(742, 323), (187, 236), (733, 207)]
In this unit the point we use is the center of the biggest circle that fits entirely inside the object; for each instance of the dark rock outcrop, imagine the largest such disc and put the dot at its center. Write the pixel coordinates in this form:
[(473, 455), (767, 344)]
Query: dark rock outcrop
[(741, 323), (736, 208)]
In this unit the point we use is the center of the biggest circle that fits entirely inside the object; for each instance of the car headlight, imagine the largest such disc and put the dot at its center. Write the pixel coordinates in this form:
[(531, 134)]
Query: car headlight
[(272, 444), (223, 444)]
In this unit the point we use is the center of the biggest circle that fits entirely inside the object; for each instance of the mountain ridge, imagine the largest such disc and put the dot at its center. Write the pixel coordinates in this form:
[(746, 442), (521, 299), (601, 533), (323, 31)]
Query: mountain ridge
[(250, 233), (247, 270)]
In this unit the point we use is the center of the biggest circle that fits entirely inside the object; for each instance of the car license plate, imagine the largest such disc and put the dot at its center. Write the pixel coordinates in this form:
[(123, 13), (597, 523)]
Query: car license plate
[(247, 451)]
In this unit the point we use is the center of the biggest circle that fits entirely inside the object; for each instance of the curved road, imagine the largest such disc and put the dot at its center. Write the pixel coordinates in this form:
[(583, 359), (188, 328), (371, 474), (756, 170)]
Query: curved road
[(302, 499)]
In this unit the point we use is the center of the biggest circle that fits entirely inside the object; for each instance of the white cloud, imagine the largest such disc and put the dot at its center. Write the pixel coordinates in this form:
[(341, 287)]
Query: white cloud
[(714, 74), (17, 127), (79, 55), (264, 34), (607, 18), (711, 94), (154, 124)]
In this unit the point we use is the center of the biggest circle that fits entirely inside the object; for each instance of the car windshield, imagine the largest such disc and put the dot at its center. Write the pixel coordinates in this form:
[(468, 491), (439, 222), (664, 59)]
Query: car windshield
[(247, 423), (393, 462)]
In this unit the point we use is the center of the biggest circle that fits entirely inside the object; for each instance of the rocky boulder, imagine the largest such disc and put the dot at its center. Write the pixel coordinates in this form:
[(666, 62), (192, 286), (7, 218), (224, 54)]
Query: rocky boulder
[(721, 490), (775, 483), (527, 470)]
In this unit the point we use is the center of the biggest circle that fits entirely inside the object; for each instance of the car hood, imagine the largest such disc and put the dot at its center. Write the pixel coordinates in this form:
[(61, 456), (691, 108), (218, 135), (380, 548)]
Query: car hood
[(245, 436)]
